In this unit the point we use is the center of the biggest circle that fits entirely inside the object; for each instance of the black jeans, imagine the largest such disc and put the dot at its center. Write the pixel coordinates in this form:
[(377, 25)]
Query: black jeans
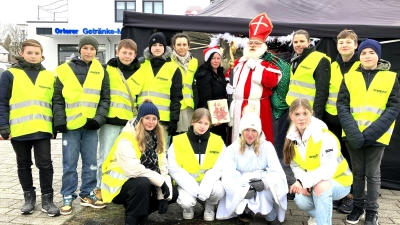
[(42, 154), (135, 195), (366, 163)]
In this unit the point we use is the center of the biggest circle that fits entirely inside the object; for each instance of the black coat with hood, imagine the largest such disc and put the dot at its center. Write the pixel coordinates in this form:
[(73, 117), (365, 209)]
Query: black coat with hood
[(176, 88), (6, 86), (80, 69), (373, 132), (127, 71), (322, 76)]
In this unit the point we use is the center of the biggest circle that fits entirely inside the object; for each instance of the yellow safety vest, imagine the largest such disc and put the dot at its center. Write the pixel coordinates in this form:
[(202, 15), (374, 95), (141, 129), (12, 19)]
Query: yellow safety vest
[(312, 161), (187, 80), (158, 88), (30, 104), (366, 106), (120, 102), (335, 82), (302, 83), (186, 158), (113, 177), (80, 102)]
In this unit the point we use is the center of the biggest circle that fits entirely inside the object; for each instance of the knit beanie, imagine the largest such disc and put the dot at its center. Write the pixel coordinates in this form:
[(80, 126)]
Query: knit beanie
[(250, 120), (370, 43), (209, 51), (147, 108), (157, 38), (88, 40)]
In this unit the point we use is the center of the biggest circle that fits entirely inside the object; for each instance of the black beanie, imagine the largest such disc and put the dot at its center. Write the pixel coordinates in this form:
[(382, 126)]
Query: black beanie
[(88, 40), (147, 108), (157, 38), (370, 43)]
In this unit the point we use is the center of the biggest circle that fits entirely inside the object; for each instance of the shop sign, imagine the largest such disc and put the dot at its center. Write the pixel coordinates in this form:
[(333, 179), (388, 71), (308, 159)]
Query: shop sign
[(100, 31)]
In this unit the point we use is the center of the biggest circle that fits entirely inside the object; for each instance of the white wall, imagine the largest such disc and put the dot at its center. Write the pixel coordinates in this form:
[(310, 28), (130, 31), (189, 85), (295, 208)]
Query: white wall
[(3, 57)]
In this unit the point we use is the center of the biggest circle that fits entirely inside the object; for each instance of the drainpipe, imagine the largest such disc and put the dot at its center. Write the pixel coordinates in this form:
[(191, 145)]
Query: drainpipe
[(109, 49)]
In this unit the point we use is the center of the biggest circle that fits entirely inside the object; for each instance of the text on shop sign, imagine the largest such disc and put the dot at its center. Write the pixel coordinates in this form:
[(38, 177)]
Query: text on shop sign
[(87, 31)]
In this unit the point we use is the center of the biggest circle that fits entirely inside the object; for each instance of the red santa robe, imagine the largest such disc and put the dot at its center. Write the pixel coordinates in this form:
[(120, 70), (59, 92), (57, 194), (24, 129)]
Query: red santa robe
[(253, 87)]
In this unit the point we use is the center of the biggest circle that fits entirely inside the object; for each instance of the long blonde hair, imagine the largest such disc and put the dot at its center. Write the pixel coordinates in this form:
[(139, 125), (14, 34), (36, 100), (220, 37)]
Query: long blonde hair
[(243, 144), (288, 148)]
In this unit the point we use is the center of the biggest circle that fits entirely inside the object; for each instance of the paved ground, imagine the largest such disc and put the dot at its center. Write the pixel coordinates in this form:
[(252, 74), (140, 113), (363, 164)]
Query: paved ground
[(11, 199)]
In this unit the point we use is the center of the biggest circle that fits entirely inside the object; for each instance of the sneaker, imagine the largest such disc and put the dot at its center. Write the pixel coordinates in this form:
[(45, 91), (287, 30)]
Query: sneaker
[(67, 205), (97, 193), (312, 221), (245, 217), (275, 222), (290, 196), (371, 218), (209, 213), (347, 205), (336, 204), (92, 201), (188, 214), (356, 214)]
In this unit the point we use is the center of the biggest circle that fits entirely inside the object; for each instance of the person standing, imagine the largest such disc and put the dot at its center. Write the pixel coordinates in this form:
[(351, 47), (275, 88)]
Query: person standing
[(254, 78), (135, 171), (26, 93), (321, 172), (197, 169), (346, 61), (188, 66), (122, 104), (368, 104), (80, 108), (211, 82)]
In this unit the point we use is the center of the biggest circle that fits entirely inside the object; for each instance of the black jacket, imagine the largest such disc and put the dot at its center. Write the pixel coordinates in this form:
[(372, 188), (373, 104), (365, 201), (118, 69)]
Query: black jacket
[(198, 142), (373, 132), (6, 85), (127, 71), (80, 69), (176, 88), (211, 85), (322, 76), (346, 66)]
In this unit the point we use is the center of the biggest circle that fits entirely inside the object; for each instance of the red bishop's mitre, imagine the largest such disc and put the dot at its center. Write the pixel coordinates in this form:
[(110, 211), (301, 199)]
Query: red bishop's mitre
[(260, 27)]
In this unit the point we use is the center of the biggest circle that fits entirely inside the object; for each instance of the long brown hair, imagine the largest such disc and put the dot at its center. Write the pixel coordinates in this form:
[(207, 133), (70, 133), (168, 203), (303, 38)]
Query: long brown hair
[(200, 113), (288, 148), (141, 135)]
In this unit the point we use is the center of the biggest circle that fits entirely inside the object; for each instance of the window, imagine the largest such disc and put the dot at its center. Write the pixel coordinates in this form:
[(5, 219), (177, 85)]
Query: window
[(44, 31), (66, 51), (121, 6), (153, 6)]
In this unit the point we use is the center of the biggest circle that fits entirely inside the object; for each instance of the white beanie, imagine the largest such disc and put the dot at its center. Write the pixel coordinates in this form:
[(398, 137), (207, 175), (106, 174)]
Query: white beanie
[(250, 120)]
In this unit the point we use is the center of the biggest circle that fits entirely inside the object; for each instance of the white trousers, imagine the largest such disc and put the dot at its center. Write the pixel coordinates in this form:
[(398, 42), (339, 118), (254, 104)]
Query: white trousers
[(185, 200)]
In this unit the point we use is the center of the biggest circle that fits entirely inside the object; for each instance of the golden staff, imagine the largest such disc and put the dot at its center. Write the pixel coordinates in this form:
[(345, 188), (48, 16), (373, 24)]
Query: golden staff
[(232, 50)]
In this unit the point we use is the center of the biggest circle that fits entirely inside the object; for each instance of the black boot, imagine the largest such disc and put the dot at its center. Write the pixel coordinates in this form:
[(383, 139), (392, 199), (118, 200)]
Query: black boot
[(30, 202), (48, 205)]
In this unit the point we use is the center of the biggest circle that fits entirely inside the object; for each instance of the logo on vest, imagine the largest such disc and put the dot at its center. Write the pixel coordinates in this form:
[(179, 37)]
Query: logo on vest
[(134, 81), (215, 152), (162, 78), (313, 156), (45, 87), (95, 72), (305, 67), (380, 91), (329, 153)]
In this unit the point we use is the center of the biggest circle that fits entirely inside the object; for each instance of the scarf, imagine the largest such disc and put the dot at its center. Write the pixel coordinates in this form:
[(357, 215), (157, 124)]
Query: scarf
[(183, 61), (149, 158), (294, 61)]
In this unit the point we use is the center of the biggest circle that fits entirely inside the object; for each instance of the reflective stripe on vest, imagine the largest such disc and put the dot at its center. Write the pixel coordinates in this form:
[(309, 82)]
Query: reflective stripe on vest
[(187, 80), (335, 82), (302, 83), (30, 104), (312, 161), (113, 177), (186, 158), (81, 102), (366, 106), (158, 88), (120, 103)]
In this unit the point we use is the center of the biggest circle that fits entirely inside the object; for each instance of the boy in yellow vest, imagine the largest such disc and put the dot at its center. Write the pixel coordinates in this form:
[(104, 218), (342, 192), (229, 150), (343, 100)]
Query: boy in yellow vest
[(120, 70), (80, 107), (26, 92), (347, 60), (368, 104)]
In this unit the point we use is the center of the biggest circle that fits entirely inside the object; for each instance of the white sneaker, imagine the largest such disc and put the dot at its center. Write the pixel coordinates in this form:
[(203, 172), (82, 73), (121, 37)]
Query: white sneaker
[(209, 213), (188, 214), (312, 221)]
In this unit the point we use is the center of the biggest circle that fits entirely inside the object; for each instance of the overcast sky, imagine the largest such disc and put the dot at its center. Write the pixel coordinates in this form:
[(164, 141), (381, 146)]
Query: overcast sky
[(19, 11)]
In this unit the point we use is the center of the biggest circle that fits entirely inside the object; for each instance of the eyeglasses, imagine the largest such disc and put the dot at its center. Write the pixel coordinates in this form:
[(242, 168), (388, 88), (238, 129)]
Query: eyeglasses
[(256, 43)]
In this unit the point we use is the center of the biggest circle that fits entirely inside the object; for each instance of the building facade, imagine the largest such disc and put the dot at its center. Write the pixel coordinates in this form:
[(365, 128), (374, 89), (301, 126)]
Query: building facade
[(60, 25)]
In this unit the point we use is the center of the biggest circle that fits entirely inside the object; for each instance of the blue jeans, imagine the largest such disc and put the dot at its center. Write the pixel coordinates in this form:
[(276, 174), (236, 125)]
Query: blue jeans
[(107, 135), (77, 141), (320, 207)]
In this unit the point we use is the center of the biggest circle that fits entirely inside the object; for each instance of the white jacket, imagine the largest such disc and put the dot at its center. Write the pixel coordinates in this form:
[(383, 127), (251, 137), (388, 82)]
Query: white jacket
[(329, 161)]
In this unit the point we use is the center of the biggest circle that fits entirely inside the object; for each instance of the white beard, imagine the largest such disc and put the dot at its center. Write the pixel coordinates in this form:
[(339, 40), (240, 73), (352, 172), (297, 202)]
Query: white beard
[(255, 54)]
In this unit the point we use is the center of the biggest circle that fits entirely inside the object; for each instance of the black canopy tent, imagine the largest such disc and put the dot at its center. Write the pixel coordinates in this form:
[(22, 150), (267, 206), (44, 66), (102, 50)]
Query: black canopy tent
[(323, 19)]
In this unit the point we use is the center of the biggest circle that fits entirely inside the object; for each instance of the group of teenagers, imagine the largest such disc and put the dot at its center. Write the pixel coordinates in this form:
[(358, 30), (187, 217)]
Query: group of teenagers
[(329, 121)]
